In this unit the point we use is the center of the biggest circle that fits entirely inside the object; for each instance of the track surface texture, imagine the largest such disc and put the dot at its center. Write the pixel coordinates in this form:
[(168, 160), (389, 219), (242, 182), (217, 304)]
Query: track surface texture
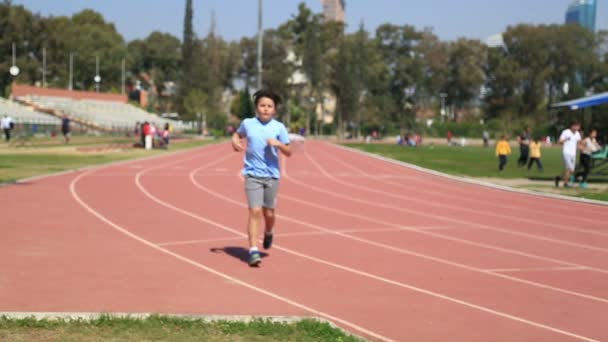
[(381, 250)]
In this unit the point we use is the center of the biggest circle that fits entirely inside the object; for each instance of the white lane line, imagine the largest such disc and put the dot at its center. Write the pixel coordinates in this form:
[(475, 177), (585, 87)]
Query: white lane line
[(287, 235), (537, 269), (406, 251), (439, 217), (462, 208), (359, 272), (562, 199), (219, 273)]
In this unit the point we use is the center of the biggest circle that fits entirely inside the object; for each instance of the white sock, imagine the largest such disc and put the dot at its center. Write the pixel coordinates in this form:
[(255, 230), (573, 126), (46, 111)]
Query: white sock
[(268, 232), (253, 249)]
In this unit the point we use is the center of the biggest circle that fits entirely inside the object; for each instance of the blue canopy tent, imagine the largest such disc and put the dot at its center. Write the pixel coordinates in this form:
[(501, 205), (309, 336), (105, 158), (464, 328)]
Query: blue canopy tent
[(584, 102), (599, 159)]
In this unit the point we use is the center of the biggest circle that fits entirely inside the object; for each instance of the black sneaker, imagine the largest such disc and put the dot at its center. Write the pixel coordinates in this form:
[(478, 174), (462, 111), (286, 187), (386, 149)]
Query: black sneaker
[(254, 259), (268, 240)]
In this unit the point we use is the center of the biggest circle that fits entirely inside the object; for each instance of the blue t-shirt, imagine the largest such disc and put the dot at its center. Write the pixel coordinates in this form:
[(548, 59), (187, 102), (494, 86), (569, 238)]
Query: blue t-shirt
[(261, 159)]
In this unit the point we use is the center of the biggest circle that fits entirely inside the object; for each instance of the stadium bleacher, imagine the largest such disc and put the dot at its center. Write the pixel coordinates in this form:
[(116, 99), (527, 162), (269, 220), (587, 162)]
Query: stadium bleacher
[(105, 114), (24, 115)]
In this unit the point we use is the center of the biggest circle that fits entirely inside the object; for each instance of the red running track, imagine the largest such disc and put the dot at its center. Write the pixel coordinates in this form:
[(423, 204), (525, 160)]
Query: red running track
[(382, 250)]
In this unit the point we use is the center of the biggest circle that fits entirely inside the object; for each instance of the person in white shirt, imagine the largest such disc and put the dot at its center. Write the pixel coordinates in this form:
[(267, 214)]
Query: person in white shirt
[(570, 139), (7, 125), (588, 146)]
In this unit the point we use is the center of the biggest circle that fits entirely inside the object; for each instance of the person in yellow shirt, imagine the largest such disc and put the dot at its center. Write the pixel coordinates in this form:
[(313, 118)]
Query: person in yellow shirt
[(535, 155), (503, 149)]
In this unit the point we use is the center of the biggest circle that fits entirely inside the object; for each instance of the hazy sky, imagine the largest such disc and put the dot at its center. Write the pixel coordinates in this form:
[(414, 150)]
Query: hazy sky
[(450, 19)]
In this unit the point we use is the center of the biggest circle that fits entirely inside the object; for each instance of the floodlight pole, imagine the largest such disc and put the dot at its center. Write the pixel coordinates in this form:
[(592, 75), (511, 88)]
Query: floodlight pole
[(71, 82), (122, 90), (44, 67), (260, 41)]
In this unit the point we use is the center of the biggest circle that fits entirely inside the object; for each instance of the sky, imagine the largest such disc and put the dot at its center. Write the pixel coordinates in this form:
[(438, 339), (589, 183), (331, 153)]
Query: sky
[(450, 19)]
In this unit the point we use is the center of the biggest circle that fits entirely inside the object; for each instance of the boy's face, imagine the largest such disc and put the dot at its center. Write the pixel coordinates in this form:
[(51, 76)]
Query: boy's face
[(593, 134), (265, 109), (575, 127)]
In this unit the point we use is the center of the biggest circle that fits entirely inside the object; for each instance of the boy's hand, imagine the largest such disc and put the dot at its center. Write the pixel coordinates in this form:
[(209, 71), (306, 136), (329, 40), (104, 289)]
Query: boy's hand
[(236, 144), (274, 142)]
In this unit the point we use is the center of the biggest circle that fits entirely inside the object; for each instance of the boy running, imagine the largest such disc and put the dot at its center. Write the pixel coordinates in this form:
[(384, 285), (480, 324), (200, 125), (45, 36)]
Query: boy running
[(265, 138), (570, 138)]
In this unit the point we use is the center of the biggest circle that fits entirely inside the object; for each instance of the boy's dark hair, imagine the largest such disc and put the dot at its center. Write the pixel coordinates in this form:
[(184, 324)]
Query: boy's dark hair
[(575, 123), (268, 94)]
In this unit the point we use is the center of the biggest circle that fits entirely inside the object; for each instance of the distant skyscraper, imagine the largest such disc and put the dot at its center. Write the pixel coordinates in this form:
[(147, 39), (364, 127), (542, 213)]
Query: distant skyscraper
[(582, 12), (334, 9)]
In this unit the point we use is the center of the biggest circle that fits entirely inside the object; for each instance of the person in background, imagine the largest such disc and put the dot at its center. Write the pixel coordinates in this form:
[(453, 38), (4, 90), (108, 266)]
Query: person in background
[(165, 135), (535, 155), (65, 128), (7, 126), (524, 146), (569, 139), (588, 146), (503, 149), (486, 139)]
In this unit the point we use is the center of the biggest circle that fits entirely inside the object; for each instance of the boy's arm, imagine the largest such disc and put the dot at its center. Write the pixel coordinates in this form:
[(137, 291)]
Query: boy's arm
[(284, 148), (237, 146)]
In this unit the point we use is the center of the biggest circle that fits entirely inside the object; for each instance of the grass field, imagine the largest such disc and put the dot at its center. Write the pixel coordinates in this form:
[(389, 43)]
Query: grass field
[(479, 162), (43, 156), (159, 328)]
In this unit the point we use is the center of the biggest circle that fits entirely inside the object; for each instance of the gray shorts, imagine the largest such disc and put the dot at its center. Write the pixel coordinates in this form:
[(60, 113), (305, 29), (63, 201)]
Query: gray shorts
[(261, 192), (569, 162)]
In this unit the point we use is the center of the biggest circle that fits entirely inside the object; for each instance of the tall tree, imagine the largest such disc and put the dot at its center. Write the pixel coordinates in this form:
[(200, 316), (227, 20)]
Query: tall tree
[(188, 54)]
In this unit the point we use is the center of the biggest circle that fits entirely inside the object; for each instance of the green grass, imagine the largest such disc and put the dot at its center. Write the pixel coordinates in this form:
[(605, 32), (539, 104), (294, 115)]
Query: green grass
[(162, 328), (44, 156), (479, 162)]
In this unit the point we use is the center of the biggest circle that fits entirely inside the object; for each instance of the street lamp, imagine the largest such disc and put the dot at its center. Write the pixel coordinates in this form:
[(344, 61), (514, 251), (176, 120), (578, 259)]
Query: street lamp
[(71, 72), (14, 70), (260, 41), (443, 96), (97, 78)]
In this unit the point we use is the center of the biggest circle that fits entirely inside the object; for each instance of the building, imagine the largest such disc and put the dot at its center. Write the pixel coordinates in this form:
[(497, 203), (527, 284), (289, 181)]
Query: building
[(582, 12), (334, 9), (495, 41)]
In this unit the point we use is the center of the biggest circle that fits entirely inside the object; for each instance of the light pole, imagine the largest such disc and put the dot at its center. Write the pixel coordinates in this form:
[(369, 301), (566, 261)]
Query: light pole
[(44, 67), (123, 78), (14, 70), (71, 72), (443, 97), (260, 41), (97, 78)]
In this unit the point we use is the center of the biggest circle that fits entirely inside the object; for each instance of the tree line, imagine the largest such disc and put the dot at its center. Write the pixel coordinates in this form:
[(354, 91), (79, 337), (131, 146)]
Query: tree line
[(382, 80)]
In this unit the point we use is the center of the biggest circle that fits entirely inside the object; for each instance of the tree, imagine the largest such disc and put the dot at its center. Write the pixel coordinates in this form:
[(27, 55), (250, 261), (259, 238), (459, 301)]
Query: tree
[(404, 66), (189, 51), (195, 106), (465, 73)]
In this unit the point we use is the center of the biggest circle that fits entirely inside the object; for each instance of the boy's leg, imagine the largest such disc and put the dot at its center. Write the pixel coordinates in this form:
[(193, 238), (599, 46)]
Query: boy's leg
[(271, 187), (539, 164), (268, 219), (254, 189), (253, 226), (530, 162)]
